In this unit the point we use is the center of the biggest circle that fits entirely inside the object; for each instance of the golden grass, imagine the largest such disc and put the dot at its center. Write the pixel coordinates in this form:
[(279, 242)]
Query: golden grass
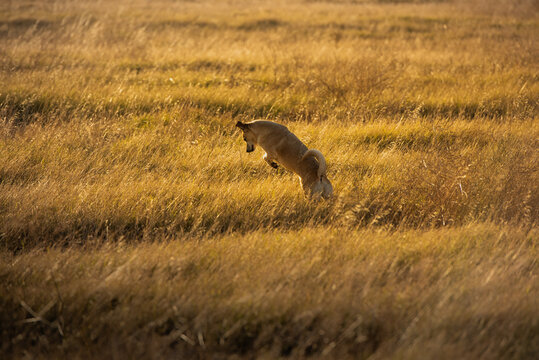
[(129, 207), (451, 293), (127, 179)]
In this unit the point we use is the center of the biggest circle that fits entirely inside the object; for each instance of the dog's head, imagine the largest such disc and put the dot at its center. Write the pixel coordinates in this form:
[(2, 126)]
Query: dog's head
[(248, 135)]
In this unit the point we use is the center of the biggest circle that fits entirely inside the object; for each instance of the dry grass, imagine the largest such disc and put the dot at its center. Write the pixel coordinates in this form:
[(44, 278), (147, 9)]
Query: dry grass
[(454, 293), (130, 212)]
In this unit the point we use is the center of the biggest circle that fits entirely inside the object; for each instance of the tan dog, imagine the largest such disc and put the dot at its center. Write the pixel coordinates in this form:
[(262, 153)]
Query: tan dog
[(285, 148)]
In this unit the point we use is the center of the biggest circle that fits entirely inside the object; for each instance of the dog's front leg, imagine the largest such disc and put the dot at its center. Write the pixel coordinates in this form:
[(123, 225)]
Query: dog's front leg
[(270, 161)]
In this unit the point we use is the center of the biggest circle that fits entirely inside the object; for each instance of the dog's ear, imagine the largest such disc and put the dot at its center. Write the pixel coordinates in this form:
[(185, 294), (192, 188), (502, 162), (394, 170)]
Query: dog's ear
[(242, 125)]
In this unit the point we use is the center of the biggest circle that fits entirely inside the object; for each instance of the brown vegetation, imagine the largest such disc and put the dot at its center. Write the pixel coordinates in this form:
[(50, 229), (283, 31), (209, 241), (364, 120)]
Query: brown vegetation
[(132, 224)]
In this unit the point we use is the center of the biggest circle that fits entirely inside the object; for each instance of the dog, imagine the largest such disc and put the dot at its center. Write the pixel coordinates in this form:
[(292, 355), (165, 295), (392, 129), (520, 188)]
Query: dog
[(284, 148)]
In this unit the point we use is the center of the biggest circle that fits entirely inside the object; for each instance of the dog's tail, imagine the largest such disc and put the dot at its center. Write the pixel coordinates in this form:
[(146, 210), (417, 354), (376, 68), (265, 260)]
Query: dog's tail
[(322, 167)]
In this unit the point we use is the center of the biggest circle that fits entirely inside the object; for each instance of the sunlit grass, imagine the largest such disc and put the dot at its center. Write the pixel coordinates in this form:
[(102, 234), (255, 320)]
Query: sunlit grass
[(132, 216), (140, 176), (319, 290)]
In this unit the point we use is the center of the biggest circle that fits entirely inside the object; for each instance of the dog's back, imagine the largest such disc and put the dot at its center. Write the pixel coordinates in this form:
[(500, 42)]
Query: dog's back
[(280, 143)]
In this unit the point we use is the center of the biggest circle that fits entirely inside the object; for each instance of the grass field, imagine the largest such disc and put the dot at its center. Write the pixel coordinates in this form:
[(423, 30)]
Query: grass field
[(134, 225)]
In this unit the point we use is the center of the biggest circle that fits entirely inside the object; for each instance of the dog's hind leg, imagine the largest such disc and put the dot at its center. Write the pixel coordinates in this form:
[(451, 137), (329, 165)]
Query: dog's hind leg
[(312, 190)]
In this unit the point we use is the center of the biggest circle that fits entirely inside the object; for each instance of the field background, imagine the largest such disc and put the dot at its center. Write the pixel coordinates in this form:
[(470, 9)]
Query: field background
[(134, 225)]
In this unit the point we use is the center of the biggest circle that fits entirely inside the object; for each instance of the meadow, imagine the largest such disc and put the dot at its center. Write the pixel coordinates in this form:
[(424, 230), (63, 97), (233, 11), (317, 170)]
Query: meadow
[(133, 224)]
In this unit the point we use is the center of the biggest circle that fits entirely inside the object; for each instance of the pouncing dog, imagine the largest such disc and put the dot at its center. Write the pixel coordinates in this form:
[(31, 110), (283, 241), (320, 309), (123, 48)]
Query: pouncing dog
[(284, 148)]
